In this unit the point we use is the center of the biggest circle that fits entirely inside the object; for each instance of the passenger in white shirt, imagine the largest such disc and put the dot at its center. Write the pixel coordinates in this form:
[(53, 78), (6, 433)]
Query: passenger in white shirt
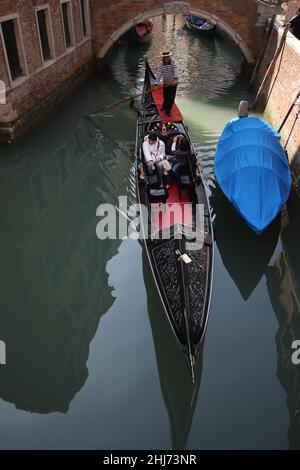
[(154, 152)]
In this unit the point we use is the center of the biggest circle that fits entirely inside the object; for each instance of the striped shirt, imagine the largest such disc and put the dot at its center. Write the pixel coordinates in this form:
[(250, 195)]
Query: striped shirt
[(169, 72)]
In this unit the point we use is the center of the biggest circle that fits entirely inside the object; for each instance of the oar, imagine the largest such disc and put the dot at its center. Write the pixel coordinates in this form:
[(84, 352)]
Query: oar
[(117, 103)]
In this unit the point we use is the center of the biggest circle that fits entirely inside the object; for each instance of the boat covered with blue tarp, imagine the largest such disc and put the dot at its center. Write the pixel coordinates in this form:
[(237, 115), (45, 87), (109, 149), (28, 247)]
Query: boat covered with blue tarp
[(200, 24), (252, 170)]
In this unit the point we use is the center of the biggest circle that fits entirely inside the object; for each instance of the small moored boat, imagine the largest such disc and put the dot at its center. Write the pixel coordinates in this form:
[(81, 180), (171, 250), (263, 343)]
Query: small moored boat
[(252, 170), (200, 25), (182, 261), (142, 31)]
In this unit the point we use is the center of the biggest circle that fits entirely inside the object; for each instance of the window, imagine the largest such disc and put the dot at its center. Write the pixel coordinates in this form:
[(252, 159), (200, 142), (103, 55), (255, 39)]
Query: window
[(67, 23), (45, 33), (85, 17), (13, 47)]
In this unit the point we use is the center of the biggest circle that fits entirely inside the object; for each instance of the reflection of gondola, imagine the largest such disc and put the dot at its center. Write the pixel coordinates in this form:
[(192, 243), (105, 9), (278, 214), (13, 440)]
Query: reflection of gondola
[(179, 392), (283, 280), (244, 255), (200, 25), (181, 262)]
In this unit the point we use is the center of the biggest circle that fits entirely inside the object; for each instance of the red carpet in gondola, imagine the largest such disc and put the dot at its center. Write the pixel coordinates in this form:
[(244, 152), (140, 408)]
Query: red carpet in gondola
[(178, 210), (158, 98)]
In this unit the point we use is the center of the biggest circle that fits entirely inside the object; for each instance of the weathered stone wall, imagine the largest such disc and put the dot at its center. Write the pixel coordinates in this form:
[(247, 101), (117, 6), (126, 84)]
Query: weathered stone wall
[(280, 90), (41, 80)]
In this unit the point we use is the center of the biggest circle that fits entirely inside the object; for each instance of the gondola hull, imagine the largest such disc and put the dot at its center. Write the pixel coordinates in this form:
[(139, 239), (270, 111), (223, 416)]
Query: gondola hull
[(184, 288)]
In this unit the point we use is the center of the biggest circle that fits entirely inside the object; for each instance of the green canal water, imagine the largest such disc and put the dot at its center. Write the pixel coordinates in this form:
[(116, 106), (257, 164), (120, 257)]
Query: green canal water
[(91, 361)]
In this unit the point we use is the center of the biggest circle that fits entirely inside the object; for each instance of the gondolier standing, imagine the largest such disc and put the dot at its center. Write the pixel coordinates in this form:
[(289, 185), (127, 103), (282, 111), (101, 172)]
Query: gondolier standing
[(168, 70)]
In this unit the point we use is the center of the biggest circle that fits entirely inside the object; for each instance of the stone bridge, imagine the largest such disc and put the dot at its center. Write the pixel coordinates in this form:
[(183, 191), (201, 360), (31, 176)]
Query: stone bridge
[(243, 20)]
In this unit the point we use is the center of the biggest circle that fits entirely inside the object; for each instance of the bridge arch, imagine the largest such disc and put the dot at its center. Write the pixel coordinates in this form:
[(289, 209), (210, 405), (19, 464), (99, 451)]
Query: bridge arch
[(158, 12), (243, 22)]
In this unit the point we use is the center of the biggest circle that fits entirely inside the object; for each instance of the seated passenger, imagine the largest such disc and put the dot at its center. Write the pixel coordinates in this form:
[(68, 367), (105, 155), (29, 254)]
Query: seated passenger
[(180, 153), (154, 152)]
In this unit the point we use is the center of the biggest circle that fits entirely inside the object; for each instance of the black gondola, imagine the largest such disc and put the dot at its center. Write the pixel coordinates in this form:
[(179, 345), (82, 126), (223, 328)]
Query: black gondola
[(182, 262), (179, 393)]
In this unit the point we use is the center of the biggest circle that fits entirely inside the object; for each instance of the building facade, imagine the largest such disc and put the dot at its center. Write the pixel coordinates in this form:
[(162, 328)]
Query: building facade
[(48, 46), (45, 49), (282, 84)]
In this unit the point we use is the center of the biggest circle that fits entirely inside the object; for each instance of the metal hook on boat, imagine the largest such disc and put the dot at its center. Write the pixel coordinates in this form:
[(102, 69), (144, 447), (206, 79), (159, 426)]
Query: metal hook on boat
[(183, 257)]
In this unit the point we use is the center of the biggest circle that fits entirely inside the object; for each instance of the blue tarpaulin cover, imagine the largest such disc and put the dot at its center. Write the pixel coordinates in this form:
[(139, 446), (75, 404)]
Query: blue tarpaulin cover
[(195, 20), (252, 170)]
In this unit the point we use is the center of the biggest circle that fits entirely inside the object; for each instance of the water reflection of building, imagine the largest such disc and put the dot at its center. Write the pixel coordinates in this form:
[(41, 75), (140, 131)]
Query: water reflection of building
[(179, 392), (283, 280), (53, 278)]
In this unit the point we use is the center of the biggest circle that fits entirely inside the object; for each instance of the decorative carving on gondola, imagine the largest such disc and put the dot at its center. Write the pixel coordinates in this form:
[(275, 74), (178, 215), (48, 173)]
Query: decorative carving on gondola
[(163, 128), (164, 131), (197, 273), (198, 172), (168, 270)]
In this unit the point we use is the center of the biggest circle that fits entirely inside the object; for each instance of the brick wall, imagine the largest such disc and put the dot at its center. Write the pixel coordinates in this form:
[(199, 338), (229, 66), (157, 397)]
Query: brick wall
[(280, 90), (41, 81)]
